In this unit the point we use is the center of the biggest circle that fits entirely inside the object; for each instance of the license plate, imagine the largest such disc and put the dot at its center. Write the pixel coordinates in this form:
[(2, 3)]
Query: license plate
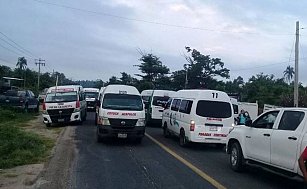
[(213, 128), (122, 135), (60, 120)]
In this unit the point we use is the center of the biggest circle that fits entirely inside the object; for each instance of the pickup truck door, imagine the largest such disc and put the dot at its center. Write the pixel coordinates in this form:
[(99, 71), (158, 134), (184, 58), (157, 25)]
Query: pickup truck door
[(258, 137), (285, 139)]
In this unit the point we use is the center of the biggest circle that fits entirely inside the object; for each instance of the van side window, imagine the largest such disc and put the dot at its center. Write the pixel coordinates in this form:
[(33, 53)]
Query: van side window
[(290, 120), (175, 104), (185, 106)]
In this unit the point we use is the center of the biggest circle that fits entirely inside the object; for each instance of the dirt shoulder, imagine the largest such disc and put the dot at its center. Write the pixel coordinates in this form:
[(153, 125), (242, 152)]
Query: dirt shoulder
[(39, 175)]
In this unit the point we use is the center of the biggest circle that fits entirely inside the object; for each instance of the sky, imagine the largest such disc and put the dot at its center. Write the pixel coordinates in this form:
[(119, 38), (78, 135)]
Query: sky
[(97, 39)]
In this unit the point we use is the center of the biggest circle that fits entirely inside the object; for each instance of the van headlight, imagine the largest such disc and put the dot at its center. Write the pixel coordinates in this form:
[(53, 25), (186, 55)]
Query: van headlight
[(140, 122), (103, 121)]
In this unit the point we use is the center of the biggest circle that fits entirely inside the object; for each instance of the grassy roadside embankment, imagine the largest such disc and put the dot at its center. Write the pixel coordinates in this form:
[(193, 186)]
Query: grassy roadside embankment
[(18, 146)]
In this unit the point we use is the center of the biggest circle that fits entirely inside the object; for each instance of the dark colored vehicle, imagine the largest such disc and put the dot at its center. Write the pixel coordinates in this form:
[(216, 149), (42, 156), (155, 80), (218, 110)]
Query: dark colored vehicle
[(23, 99)]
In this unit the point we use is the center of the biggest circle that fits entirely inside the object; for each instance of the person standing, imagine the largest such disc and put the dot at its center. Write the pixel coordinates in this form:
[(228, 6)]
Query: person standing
[(241, 118)]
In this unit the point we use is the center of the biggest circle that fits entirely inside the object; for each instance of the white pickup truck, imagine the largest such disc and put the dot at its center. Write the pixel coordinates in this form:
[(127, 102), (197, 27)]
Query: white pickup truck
[(274, 140)]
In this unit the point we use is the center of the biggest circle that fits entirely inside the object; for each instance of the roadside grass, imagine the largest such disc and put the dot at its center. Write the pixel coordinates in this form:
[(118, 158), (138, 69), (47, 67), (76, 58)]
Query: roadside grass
[(18, 147)]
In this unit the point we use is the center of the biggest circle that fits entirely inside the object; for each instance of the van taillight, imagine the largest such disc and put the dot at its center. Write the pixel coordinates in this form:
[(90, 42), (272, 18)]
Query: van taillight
[(78, 104), (44, 106), (192, 126)]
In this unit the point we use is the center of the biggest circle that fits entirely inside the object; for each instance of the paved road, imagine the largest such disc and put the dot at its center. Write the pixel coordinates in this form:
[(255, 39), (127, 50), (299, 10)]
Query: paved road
[(123, 164)]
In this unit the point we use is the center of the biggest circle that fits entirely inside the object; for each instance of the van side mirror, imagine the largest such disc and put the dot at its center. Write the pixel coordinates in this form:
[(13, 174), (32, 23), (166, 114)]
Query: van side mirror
[(249, 123), (98, 103)]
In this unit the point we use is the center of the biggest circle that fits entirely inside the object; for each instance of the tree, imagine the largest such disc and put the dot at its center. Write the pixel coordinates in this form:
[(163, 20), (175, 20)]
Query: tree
[(288, 73), (21, 63), (151, 67), (127, 79), (113, 80), (202, 69)]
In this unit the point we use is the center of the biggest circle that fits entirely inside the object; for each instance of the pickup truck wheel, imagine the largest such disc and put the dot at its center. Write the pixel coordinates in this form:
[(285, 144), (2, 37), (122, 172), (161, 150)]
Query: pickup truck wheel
[(182, 139), (26, 108), (236, 158)]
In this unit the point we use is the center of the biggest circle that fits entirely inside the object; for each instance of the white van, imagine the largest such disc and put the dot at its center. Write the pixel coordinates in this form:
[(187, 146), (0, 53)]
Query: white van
[(154, 101), (64, 104), (91, 96), (203, 116), (121, 113)]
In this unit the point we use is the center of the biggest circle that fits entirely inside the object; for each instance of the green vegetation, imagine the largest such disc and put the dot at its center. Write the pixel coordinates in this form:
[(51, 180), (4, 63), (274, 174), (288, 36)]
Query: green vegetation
[(18, 147)]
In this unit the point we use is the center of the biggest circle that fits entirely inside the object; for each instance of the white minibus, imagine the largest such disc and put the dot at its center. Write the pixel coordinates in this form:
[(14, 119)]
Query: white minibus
[(202, 116), (154, 101), (121, 113)]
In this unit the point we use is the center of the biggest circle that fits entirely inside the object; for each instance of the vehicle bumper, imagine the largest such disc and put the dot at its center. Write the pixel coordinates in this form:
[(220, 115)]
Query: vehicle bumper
[(112, 132), (47, 119), (209, 140)]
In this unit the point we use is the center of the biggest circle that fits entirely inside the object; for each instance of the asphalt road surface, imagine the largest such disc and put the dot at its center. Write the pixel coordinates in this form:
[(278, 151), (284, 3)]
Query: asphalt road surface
[(124, 164)]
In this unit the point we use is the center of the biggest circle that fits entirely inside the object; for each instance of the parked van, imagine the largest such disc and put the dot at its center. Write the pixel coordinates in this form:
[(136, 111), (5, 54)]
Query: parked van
[(64, 104), (91, 96), (121, 113), (203, 116), (154, 101)]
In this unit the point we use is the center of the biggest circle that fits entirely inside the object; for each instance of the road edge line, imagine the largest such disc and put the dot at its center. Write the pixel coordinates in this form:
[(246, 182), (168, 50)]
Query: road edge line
[(188, 164)]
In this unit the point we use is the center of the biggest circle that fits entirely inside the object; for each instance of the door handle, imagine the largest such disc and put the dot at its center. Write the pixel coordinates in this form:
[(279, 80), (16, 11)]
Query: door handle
[(266, 135), (292, 138), (248, 136)]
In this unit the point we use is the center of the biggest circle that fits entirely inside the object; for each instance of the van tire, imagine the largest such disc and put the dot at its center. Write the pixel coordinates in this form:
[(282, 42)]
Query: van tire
[(166, 132), (182, 139), (236, 158)]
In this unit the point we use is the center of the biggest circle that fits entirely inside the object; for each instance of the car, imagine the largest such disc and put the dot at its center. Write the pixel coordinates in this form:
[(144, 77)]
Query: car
[(274, 140), (22, 99)]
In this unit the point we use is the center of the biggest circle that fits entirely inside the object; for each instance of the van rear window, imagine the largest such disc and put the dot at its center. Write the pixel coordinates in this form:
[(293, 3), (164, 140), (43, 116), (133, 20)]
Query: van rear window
[(159, 100), (214, 109)]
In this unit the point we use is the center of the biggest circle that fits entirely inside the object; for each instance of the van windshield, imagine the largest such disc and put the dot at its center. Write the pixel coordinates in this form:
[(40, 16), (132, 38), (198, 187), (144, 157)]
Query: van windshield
[(61, 97), (159, 100), (122, 102), (214, 109), (91, 94)]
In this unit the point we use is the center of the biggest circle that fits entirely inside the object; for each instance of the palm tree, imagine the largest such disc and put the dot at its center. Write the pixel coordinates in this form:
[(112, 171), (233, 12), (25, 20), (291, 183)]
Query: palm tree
[(21, 63), (288, 73)]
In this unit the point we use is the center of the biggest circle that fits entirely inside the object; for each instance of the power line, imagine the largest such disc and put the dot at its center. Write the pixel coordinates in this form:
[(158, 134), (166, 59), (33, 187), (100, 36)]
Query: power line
[(11, 50), (153, 22), (17, 44), (256, 67), (14, 47), (5, 61)]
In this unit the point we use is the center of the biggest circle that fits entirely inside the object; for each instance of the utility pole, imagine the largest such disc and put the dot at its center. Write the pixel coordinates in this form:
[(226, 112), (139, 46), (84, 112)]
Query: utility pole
[(40, 63), (296, 65)]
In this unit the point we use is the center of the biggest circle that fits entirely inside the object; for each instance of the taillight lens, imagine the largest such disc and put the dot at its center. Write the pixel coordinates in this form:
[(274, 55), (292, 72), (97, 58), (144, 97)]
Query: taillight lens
[(44, 106), (78, 104), (192, 125)]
